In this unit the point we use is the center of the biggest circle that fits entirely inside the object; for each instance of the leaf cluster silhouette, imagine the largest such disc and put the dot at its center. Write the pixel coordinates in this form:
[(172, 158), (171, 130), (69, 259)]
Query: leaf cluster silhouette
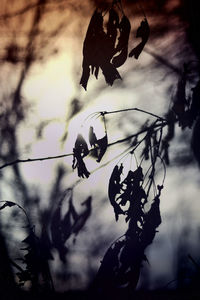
[(108, 49)]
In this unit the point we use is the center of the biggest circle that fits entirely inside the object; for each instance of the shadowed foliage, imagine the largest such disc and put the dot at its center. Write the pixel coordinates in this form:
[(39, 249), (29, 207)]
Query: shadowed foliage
[(52, 223)]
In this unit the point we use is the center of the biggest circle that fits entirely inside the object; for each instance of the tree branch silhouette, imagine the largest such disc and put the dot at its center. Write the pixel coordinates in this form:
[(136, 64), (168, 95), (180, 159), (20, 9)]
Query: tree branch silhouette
[(163, 123)]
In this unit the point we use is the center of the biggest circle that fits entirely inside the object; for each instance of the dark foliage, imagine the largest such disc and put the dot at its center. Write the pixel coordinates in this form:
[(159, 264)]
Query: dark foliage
[(122, 45), (143, 33), (80, 151), (103, 49)]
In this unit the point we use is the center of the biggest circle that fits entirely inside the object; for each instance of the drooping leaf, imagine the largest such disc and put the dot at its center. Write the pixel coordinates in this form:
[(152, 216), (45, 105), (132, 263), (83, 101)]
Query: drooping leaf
[(112, 30), (152, 221), (98, 48), (110, 72), (79, 152), (102, 144), (79, 164), (92, 137), (143, 32), (7, 204), (122, 46), (106, 277), (81, 146), (82, 218), (90, 47), (120, 59), (114, 189)]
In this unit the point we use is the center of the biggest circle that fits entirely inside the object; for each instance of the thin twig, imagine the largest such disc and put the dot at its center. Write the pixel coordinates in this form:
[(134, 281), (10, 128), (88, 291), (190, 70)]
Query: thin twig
[(133, 109), (17, 161)]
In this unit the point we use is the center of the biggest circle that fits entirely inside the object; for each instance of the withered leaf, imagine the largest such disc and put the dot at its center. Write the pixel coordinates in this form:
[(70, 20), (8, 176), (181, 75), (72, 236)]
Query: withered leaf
[(90, 47), (7, 204), (106, 276), (142, 32), (122, 45), (114, 189), (98, 48), (82, 218), (79, 152), (112, 29), (92, 137), (110, 72), (79, 164), (152, 221), (81, 146), (102, 144)]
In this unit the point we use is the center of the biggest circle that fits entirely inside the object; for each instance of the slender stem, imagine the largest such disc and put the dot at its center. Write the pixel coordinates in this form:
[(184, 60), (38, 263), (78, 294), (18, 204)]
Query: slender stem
[(17, 161), (133, 109)]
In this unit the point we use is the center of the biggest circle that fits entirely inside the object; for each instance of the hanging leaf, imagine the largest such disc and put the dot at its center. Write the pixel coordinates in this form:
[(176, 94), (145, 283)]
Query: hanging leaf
[(122, 46), (82, 218), (110, 72), (7, 204), (152, 221), (142, 32), (90, 47), (114, 189), (79, 164), (80, 150), (92, 137), (112, 30), (106, 277), (98, 48), (135, 194), (81, 146), (102, 144)]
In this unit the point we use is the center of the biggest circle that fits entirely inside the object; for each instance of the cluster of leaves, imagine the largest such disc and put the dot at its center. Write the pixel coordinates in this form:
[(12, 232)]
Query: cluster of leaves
[(80, 150), (129, 195), (39, 249), (108, 50), (127, 191), (120, 267)]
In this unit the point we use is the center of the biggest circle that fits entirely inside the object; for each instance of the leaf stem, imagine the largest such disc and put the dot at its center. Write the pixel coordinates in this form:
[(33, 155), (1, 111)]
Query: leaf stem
[(133, 109)]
